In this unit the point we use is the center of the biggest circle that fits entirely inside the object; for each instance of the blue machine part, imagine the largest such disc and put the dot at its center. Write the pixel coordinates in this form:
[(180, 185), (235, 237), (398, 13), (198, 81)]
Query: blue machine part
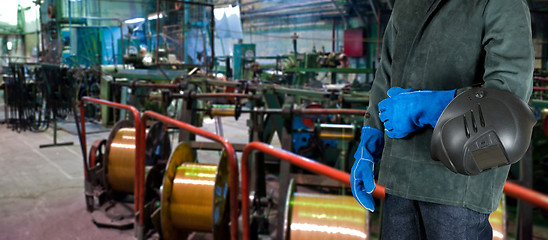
[(301, 139), (87, 49)]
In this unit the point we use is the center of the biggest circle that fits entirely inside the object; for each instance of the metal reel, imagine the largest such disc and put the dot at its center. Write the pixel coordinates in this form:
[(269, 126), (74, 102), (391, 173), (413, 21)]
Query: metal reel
[(323, 216), (95, 181), (103, 172), (120, 157), (194, 196)]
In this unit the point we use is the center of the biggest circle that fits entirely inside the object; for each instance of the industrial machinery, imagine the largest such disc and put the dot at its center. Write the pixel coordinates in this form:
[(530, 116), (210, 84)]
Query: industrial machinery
[(212, 189)]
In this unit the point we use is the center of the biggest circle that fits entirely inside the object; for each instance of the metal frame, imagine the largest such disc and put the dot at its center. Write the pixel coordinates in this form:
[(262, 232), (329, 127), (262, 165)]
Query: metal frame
[(139, 179)]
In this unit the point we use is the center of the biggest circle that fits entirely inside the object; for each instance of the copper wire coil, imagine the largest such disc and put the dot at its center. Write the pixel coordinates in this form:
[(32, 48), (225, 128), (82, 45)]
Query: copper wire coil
[(223, 112), (120, 154), (194, 196), (497, 219), (336, 132), (324, 216)]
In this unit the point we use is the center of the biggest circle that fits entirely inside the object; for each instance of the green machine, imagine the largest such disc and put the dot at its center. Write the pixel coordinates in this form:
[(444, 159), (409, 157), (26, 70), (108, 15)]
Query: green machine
[(244, 53)]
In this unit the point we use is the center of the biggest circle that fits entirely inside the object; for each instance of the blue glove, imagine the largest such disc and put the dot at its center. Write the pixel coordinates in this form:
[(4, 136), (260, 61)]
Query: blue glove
[(407, 110), (361, 176)]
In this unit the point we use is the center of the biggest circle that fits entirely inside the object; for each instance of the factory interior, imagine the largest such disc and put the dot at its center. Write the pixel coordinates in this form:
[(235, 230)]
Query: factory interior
[(209, 119)]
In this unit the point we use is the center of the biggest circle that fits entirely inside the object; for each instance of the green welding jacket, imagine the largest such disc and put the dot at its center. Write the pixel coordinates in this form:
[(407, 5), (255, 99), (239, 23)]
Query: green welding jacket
[(443, 45)]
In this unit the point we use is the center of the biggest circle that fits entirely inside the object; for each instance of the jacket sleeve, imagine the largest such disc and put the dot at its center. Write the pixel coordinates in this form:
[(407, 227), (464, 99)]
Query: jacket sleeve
[(508, 46), (381, 83)]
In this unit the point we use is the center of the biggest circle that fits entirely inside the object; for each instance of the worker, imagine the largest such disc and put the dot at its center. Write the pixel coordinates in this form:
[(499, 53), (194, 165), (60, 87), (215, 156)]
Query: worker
[(433, 50)]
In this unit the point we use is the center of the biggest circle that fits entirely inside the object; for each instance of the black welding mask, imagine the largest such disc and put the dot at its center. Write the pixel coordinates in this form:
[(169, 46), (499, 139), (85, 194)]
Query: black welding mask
[(481, 129)]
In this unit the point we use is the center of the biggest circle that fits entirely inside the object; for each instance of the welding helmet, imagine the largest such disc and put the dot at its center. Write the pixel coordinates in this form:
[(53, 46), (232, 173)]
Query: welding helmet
[(481, 129)]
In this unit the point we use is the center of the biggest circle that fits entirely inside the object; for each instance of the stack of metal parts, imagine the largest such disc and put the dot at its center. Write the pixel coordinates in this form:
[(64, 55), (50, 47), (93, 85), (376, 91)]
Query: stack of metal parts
[(25, 99)]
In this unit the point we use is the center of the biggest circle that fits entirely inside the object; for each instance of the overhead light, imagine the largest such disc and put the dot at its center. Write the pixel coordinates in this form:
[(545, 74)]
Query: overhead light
[(154, 16), (134, 20)]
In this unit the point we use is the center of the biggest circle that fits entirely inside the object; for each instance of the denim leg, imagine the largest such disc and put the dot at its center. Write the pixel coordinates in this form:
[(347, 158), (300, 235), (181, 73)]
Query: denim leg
[(400, 219), (450, 222)]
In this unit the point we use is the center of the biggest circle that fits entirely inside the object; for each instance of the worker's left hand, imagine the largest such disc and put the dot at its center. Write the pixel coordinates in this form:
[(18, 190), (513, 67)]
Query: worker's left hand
[(407, 110), (368, 153)]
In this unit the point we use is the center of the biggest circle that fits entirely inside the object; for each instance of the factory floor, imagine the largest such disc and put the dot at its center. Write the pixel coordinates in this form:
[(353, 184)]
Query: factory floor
[(42, 189)]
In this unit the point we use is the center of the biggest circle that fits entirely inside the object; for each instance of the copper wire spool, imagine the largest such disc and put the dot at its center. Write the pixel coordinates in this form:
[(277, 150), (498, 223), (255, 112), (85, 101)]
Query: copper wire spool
[(223, 112), (336, 131), (497, 219), (194, 196), (120, 154), (324, 216)]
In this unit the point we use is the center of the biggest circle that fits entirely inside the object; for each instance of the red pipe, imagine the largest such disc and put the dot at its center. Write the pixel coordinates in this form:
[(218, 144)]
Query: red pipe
[(139, 179), (523, 193), (300, 161), (540, 89), (541, 79), (231, 159), (510, 189)]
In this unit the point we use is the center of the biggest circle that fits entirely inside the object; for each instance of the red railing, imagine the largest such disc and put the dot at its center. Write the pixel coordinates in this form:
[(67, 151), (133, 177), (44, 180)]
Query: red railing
[(139, 186), (540, 89), (510, 189), (231, 160), (300, 161), (523, 193)]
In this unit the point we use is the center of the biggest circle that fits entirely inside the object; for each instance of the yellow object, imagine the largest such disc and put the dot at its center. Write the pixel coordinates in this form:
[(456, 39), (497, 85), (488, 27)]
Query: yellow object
[(336, 132), (121, 161), (223, 112), (194, 195), (498, 221), (324, 216)]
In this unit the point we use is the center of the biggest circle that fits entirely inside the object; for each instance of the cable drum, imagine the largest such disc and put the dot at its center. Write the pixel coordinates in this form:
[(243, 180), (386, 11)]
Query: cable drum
[(120, 158), (328, 131), (120, 152), (324, 216), (194, 196)]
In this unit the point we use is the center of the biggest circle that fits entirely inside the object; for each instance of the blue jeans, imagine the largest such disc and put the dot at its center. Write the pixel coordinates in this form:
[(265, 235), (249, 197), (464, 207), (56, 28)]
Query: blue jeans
[(409, 219)]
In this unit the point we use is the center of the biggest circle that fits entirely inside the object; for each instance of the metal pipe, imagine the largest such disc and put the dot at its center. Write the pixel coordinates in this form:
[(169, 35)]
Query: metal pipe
[(228, 148), (541, 79), (139, 179), (523, 193), (329, 111), (540, 89), (157, 30), (222, 95), (149, 85), (300, 161), (297, 112)]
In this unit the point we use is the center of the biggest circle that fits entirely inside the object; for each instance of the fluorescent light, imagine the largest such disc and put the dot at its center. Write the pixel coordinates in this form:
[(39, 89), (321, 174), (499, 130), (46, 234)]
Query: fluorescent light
[(134, 20), (155, 16)]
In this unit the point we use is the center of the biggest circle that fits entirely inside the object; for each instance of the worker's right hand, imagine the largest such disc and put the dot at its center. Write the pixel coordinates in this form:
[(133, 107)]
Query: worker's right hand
[(361, 176), (407, 110)]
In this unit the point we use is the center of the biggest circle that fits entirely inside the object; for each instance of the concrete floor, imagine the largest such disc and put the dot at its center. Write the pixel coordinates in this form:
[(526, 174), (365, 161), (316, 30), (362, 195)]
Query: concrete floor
[(42, 189)]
